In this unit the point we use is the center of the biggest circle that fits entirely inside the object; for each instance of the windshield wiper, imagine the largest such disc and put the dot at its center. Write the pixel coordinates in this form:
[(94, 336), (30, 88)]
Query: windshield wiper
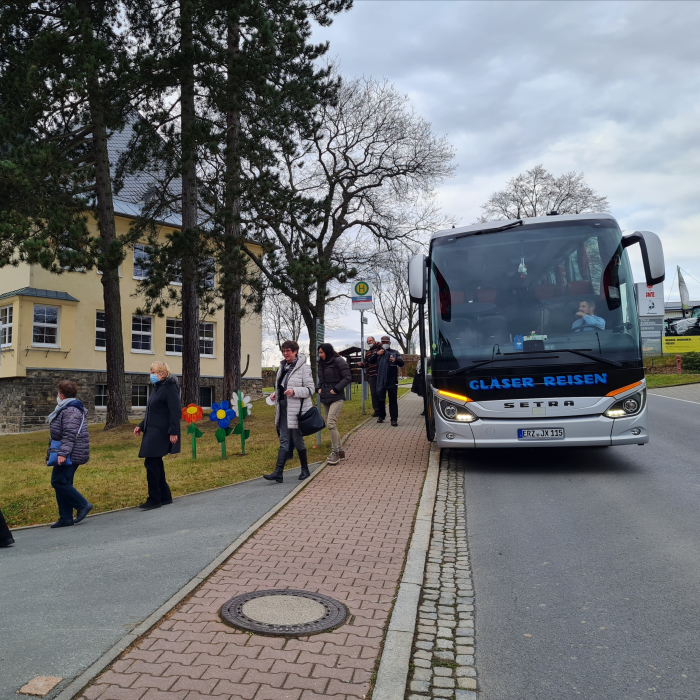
[(505, 227), (529, 356), (468, 368), (580, 352)]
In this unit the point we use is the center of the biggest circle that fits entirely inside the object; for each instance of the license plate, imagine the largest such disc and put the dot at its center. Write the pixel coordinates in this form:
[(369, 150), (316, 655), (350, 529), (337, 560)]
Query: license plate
[(541, 434)]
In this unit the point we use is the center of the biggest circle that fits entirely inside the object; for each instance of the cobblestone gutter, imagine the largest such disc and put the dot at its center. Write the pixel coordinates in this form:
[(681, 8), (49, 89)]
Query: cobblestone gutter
[(442, 660)]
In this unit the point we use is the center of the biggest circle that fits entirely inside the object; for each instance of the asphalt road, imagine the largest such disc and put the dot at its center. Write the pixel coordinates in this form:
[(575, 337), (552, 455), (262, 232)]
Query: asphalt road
[(587, 566), (69, 595)]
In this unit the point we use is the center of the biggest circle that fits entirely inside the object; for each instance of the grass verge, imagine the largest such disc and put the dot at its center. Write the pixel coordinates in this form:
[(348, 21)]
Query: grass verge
[(115, 478), (657, 381)]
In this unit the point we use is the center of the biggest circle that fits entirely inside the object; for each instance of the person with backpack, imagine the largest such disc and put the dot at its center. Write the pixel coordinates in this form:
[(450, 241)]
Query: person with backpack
[(333, 376), (388, 362), (160, 428), (69, 432)]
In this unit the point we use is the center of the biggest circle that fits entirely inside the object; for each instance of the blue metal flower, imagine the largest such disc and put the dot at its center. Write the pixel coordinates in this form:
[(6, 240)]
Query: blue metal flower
[(222, 414)]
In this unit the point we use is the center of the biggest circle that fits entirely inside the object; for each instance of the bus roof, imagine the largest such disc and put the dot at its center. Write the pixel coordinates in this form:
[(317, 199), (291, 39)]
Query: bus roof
[(526, 222)]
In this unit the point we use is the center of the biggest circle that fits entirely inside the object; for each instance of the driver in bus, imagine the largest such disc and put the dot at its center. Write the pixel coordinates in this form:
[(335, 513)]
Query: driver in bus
[(586, 320)]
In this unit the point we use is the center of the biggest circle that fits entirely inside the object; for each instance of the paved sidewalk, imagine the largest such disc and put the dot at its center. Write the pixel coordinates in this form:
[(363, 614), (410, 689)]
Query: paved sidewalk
[(77, 591), (346, 536)]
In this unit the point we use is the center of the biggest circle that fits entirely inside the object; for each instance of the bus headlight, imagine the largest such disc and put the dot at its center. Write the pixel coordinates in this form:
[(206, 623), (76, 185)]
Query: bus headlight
[(628, 406), (455, 412)]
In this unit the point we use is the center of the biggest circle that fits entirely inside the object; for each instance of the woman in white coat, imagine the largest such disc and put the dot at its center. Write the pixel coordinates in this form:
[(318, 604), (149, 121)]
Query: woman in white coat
[(294, 388)]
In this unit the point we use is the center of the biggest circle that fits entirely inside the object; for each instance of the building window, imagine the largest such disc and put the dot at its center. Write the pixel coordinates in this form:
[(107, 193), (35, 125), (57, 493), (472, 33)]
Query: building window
[(100, 396), (100, 334), (206, 339), (141, 259), (141, 334), (45, 329), (6, 316), (139, 396), (205, 396), (173, 336), (207, 268)]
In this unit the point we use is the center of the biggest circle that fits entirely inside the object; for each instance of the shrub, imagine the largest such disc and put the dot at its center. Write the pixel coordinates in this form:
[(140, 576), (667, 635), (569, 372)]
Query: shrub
[(691, 362)]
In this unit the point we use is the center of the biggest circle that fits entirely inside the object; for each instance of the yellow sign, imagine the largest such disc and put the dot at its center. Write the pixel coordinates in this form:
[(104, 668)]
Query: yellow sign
[(361, 288), (681, 343)]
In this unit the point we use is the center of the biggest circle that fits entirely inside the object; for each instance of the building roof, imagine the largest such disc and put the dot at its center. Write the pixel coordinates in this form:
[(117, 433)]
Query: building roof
[(526, 222), (42, 293), (676, 305), (139, 186)]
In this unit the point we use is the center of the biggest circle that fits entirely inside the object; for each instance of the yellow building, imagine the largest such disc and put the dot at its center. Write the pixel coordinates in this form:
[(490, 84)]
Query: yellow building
[(53, 329)]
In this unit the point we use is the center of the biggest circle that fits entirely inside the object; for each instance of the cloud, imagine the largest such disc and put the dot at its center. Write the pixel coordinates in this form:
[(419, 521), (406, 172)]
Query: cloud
[(608, 88)]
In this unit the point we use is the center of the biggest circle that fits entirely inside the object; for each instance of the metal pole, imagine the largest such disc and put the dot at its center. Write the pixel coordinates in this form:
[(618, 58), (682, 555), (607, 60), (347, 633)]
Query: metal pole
[(362, 357)]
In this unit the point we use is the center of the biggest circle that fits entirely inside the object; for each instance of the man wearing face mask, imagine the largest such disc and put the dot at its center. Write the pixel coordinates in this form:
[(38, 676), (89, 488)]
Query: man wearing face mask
[(371, 372), (387, 361)]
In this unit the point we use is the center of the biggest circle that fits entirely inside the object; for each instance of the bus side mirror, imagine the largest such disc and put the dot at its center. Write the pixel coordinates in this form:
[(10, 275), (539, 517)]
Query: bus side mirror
[(416, 279), (652, 254)]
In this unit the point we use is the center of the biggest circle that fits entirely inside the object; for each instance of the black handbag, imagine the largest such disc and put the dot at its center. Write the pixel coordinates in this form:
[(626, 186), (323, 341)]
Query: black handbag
[(310, 421)]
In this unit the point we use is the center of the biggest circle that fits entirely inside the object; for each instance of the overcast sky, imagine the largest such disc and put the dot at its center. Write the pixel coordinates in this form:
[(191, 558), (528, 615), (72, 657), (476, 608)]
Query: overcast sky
[(608, 88)]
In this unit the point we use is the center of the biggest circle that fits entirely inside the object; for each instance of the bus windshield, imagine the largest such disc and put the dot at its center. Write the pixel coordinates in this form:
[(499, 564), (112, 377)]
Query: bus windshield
[(535, 288)]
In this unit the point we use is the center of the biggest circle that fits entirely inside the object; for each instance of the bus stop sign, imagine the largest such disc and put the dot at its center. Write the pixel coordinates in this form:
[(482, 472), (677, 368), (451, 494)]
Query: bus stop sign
[(361, 294)]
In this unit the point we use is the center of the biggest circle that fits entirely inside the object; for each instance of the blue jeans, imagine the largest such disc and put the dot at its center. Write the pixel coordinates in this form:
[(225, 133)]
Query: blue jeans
[(67, 496)]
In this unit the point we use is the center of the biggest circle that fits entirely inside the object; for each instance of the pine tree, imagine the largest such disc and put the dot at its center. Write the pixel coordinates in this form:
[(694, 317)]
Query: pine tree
[(64, 85)]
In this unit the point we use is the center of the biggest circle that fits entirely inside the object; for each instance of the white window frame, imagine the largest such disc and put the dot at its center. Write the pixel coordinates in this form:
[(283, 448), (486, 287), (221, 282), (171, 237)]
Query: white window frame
[(100, 330), (56, 325), (141, 333), (210, 279), (144, 254), (100, 408), (204, 338), (7, 327), (172, 335), (119, 271), (148, 393)]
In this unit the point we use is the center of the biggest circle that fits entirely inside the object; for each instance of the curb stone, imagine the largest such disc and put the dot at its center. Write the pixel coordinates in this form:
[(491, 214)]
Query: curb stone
[(392, 675)]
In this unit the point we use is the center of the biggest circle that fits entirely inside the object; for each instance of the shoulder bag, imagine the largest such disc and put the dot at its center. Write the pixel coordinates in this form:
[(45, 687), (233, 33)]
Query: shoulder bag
[(310, 421)]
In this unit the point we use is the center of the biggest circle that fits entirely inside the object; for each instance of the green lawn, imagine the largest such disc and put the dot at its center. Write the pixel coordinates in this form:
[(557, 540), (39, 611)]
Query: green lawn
[(115, 477), (656, 381)]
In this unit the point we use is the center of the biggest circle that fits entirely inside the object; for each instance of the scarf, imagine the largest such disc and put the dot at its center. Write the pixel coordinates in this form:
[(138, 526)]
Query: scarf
[(60, 405), (287, 369)]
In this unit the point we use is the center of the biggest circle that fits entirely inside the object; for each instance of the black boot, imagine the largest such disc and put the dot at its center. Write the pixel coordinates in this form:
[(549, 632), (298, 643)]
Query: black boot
[(305, 473), (277, 475)]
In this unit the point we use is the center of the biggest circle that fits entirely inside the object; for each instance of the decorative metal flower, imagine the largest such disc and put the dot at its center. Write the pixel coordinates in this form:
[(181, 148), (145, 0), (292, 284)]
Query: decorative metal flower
[(192, 413), (222, 414), (247, 403)]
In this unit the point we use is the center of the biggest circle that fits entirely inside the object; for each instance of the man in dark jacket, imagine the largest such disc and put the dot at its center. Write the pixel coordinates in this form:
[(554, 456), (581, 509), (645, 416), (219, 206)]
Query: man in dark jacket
[(387, 361), (371, 372), (6, 539), (68, 426)]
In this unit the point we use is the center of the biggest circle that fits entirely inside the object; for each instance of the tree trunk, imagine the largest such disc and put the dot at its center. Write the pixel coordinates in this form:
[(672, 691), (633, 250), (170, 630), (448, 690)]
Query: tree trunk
[(188, 263), (232, 258), (111, 293)]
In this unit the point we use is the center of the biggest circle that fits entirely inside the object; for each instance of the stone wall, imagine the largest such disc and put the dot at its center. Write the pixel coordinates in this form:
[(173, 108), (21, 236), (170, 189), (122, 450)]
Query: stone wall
[(25, 402)]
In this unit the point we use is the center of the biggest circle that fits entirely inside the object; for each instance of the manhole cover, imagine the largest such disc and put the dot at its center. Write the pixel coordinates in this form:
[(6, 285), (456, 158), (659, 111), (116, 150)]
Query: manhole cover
[(283, 612)]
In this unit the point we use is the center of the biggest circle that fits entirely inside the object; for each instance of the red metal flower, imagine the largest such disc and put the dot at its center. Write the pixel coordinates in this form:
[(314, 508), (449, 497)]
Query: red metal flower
[(192, 413)]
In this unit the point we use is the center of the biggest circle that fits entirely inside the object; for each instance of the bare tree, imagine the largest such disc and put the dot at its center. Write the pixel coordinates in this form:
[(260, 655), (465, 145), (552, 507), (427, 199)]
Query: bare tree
[(537, 193), (282, 319), (396, 316), (365, 175)]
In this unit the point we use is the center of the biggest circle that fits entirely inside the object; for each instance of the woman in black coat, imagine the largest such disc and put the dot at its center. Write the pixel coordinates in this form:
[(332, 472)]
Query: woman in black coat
[(161, 434), (333, 376), (6, 539)]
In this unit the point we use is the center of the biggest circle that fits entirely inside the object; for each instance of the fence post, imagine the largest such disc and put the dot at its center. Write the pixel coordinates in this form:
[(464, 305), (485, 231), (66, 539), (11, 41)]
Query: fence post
[(678, 364)]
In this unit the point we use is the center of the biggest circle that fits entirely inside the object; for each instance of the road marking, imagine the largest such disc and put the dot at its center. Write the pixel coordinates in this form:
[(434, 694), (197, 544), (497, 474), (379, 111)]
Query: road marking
[(663, 396)]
